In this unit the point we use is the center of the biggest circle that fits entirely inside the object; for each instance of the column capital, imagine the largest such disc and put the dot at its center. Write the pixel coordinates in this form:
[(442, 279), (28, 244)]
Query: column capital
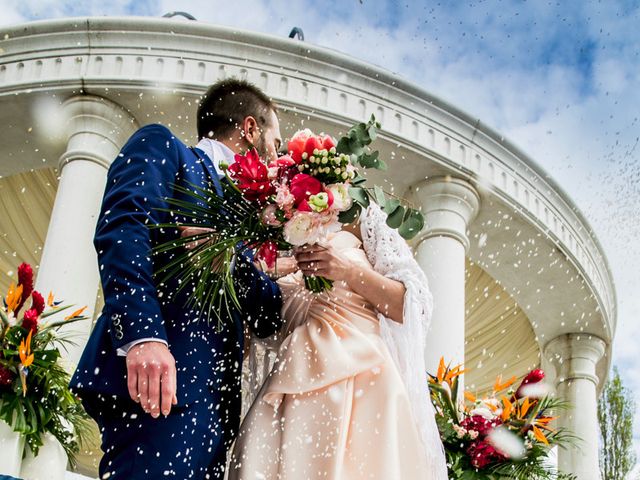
[(96, 129), (448, 205), (575, 356)]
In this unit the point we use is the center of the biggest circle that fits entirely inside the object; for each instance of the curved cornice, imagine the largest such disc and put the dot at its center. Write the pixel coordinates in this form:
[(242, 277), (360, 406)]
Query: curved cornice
[(92, 54)]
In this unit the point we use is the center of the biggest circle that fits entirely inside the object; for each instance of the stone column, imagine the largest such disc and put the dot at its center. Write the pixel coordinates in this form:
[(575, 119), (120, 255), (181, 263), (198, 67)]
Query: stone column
[(574, 357), (96, 131), (448, 205)]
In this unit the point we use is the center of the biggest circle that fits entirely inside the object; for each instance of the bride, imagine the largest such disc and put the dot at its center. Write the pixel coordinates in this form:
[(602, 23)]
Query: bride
[(347, 397)]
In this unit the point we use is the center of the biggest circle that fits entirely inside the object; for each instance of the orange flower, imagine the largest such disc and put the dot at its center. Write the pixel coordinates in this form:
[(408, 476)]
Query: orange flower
[(470, 396), (14, 296), (525, 407), (50, 299), (26, 357), (441, 369), (498, 386), (453, 373), (540, 435), (76, 313), (508, 408)]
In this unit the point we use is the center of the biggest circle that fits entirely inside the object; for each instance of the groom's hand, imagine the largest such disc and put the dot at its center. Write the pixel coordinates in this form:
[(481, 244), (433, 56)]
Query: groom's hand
[(151, 377)]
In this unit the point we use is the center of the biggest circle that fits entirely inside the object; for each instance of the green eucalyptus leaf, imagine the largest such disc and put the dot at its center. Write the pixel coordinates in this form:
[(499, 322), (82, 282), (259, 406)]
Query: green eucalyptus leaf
[(412, 224), (350, 215), (380, 197), (394, 220), (358, 181), (359, 195), (390, 205), (344, 146)]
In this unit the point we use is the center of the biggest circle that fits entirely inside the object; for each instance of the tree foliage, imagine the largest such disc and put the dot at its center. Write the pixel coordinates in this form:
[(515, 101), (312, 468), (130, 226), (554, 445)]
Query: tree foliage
[(616, 409)]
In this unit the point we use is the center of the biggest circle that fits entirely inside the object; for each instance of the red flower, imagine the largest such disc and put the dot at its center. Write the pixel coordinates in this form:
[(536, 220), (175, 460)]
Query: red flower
[(252, 176), (303, 186), (6, 377), (25, 278), (480, 424), (534, 376), (283, 161), (312, 144), (30, 320), (268, 251), (295, 146), (327, 142), (482, 454), (37, 302)]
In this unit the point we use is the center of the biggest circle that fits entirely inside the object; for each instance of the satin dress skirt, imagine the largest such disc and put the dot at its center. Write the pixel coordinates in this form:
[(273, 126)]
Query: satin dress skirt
[(334, 405)]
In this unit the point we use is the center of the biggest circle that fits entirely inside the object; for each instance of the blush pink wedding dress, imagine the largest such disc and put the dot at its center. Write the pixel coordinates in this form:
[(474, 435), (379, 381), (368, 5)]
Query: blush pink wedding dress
[(334, 405)]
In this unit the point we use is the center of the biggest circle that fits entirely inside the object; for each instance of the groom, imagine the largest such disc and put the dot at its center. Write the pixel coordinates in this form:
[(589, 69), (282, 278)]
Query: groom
[(164, 387)]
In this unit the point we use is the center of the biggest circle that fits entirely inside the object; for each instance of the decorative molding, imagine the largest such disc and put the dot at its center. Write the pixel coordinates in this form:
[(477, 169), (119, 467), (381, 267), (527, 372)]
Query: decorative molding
[(184, 58)]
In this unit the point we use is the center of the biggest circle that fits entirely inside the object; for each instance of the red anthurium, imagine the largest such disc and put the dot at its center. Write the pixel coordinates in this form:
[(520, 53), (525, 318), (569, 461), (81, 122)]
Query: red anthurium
[(303, 186), (251, 175), (268, 251)]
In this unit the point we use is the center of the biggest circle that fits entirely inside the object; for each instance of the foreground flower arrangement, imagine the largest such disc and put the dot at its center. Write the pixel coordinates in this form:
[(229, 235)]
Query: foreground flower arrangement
[(506, 434), (295, 200), (34, 393)]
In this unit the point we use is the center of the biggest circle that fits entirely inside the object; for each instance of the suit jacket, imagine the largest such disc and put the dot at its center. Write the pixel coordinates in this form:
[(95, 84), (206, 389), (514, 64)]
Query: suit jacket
[(138, 307)]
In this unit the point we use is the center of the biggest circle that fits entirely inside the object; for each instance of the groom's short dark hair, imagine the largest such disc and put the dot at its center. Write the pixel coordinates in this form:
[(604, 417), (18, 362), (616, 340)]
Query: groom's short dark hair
[(227, 103)]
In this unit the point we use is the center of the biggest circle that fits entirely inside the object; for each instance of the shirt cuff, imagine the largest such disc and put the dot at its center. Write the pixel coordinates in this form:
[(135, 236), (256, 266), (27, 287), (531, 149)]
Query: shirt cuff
[(122, 351)]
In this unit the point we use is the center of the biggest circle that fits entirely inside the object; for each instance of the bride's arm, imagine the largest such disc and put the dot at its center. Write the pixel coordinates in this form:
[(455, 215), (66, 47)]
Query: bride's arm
[(386, 294)]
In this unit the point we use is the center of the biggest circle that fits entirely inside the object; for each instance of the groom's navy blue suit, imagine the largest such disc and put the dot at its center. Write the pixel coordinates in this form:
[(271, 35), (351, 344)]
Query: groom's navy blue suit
[(190, 442)]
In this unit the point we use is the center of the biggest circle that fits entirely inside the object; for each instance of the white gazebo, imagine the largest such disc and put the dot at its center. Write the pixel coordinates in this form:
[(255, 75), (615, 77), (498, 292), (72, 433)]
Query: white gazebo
[(519, 279)]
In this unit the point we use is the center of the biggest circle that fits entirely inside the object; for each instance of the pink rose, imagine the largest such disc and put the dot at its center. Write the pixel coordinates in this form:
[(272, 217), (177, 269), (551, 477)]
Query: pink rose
[(269, 216)]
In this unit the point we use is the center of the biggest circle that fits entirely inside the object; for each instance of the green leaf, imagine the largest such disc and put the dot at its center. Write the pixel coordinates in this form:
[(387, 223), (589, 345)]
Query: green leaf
[(344, 146), (359, 195), (358, 181), (390, 205), (412, 224), (379, 194), (371, 160), (395, 219), (350, 215)]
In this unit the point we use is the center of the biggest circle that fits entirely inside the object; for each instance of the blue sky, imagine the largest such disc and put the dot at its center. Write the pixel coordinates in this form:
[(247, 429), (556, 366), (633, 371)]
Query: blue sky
[(559, 79)]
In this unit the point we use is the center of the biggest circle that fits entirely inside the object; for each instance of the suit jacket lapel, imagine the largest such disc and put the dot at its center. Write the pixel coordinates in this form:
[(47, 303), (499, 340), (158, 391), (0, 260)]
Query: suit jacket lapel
[(208, 164)]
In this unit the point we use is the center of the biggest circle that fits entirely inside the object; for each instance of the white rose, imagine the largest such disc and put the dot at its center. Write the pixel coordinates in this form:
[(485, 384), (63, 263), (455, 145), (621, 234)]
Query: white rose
[(341, 199), (300, 229)]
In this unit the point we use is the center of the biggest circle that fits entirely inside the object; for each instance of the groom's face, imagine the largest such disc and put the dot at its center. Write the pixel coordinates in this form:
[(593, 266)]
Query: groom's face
[(270, 139)]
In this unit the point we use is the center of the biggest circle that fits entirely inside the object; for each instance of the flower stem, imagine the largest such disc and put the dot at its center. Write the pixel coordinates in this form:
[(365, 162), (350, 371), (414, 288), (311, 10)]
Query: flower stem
[(317, 284)]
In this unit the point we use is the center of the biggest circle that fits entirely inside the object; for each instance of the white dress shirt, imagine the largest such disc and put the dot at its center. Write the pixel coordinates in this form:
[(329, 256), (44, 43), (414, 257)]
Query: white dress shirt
[(216, 152)]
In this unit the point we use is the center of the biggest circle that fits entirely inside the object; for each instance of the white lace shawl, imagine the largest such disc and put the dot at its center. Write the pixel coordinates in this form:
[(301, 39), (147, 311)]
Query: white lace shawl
[(390, 256)]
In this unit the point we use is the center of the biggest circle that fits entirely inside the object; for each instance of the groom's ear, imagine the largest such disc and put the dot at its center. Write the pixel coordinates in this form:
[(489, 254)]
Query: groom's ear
[(250, 129)]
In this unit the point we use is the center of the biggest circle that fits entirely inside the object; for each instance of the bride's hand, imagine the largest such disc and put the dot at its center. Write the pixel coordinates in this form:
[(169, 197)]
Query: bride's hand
[(323, 261)]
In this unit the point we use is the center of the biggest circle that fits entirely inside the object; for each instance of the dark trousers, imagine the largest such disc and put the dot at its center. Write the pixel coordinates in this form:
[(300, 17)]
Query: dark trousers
[(190, 443)]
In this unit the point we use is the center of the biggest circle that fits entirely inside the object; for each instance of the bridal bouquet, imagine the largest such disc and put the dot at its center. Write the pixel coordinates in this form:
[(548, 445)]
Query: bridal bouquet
[(295, 200), (506, 434), (34, 393)]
